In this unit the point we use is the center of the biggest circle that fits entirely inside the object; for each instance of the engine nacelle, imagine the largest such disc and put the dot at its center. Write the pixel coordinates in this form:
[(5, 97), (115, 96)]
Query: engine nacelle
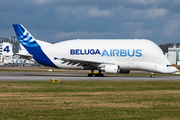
[(111, 69)]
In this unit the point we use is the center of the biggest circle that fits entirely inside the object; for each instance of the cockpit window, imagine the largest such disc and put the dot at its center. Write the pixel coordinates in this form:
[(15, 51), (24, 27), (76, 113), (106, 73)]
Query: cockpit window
[(169, 65)]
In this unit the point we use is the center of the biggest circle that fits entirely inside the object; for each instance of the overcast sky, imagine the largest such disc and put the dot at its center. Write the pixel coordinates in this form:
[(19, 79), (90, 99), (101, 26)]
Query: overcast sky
[(57, 20)]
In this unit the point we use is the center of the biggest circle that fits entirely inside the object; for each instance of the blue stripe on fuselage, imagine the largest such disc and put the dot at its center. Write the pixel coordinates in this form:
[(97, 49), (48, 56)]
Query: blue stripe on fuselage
[(42, 58)]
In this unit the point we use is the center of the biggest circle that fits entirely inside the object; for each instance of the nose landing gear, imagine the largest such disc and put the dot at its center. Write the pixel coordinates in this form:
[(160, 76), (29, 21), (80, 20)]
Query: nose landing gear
[(152, 75)]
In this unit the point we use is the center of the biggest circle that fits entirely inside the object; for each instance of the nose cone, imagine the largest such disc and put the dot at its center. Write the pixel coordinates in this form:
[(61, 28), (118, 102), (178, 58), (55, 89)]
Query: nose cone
[(175, 69), (171, 70), (168, 69)]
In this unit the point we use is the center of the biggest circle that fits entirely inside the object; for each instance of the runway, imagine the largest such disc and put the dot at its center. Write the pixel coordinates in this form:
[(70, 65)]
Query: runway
[(71, 78), (76, 76)]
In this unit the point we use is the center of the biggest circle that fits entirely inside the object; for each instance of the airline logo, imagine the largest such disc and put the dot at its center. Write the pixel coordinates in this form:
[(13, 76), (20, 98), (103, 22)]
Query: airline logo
[(84, 52), (108, 53), (24, 37)]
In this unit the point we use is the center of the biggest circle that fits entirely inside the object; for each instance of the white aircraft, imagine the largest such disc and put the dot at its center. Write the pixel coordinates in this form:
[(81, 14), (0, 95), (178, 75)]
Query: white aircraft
[(105, 55)]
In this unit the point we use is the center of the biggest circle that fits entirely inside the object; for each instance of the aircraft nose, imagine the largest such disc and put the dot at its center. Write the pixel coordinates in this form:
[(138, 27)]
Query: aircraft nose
[(175, 69)]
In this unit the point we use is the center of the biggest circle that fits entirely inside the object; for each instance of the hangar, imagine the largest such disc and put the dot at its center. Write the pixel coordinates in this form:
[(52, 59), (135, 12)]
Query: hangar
[(6, 53)]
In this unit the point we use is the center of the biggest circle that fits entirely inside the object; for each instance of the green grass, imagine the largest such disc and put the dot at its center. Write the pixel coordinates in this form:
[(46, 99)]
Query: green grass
[(90, 100)]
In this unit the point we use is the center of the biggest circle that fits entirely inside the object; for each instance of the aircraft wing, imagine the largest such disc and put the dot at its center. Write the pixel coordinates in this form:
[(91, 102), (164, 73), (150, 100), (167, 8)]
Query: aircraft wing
[(80, 62)]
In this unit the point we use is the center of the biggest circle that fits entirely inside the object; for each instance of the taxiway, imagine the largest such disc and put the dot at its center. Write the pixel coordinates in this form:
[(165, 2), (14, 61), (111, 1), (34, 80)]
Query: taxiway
[(75, 76)]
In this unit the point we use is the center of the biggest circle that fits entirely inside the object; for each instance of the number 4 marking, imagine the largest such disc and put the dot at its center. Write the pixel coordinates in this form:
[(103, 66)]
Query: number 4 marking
[(6, 49)]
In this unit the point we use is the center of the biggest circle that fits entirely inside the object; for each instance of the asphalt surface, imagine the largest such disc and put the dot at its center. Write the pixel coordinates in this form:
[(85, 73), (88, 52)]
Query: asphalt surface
[(76, 76)]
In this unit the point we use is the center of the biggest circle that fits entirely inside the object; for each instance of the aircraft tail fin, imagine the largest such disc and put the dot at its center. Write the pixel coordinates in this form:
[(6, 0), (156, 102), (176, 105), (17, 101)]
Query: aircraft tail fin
[(25, 38), (32, 45)]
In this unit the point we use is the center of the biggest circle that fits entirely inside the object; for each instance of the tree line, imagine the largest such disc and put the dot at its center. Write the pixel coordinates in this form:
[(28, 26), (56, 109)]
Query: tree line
[(165, 47)]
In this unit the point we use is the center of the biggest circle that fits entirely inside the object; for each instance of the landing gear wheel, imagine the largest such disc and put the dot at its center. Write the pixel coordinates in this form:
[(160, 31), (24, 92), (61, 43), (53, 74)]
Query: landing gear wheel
[(97, 75), (101, 75), (152, 76), (90, 75)]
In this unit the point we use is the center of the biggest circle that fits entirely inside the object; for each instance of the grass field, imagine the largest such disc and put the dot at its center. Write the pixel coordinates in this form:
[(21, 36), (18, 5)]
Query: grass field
[(90, 100)]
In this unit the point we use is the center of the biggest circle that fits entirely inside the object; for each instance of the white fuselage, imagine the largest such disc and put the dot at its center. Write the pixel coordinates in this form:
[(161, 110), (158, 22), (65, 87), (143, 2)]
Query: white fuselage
[(128, 54)]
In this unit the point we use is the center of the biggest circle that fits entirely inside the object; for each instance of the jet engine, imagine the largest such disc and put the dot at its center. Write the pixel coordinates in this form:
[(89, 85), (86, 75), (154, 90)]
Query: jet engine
[(111, 69)]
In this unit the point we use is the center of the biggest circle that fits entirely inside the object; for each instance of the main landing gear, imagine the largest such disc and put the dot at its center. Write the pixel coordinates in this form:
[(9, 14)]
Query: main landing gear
[(152, 75), (95, 74)]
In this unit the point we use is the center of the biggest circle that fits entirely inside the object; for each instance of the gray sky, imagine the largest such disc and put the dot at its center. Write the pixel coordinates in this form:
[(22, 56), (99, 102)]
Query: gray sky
[(57, 20)]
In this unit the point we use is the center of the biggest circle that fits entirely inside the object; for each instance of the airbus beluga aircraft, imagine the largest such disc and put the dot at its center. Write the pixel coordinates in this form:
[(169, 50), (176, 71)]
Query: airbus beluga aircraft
[(106, 55)]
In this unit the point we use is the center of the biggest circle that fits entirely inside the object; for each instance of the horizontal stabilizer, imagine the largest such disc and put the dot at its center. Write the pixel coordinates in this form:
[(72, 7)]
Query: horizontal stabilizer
[(25, 56)]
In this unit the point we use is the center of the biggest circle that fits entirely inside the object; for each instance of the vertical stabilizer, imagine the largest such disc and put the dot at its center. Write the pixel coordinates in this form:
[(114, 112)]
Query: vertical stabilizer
[(26, 39), (32, 46)]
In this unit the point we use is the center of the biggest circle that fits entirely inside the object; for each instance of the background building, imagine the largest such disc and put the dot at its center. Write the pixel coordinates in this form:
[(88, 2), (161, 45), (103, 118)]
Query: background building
[(8, 47), (13, 42), (174, 55)]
